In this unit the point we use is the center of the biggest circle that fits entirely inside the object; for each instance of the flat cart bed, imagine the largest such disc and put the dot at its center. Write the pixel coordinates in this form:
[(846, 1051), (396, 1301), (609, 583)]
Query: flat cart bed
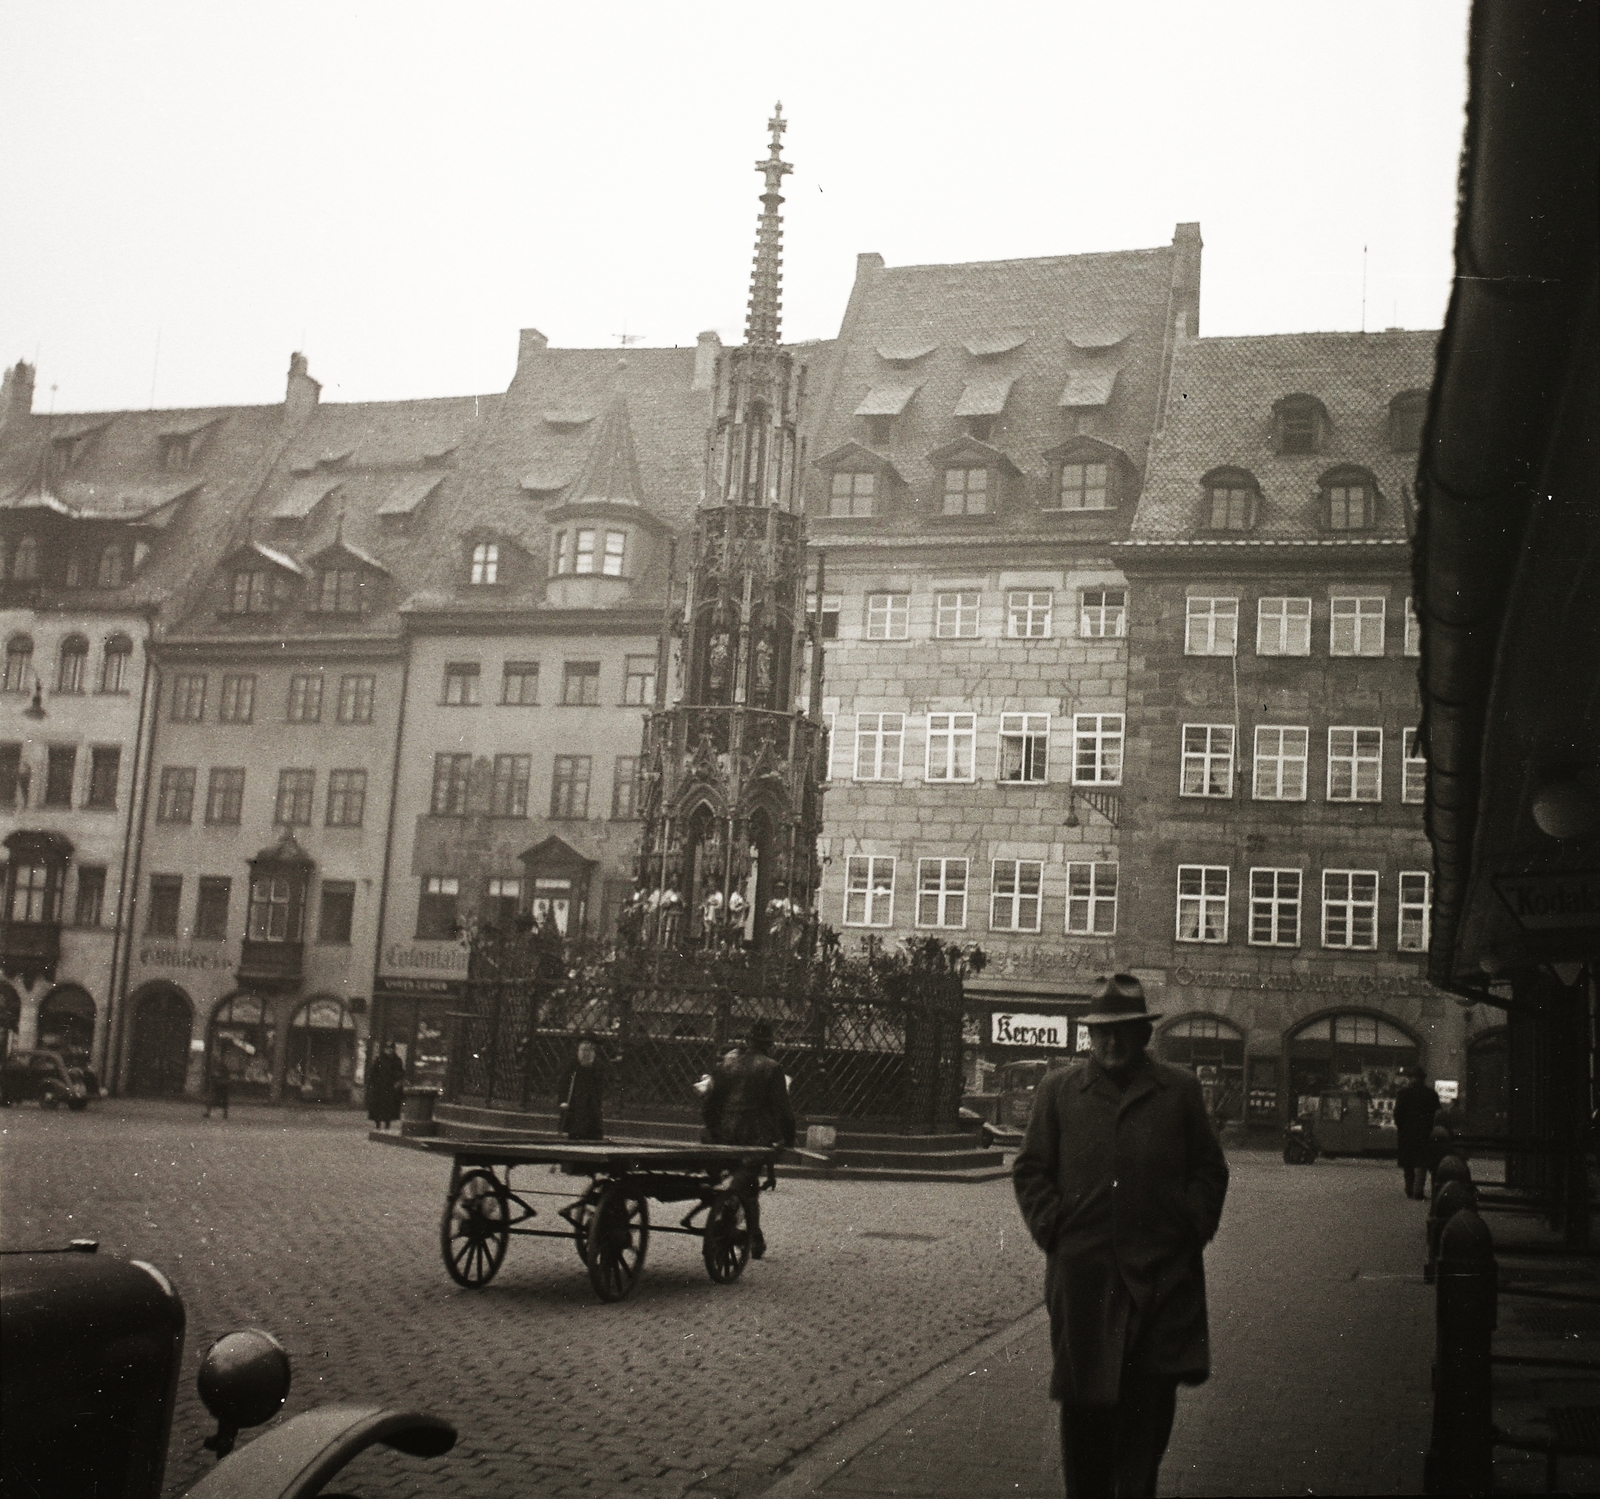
[(609, 1222)]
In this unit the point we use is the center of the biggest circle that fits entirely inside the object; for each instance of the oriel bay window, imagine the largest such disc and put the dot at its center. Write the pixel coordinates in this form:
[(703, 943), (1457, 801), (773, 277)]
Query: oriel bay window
[(35, 892), (1024, 747), (276, 900), (1014, 895), (942, 892)]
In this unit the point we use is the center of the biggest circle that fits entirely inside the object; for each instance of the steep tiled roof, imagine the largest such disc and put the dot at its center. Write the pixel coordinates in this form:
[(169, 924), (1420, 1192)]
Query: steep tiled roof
[(1221, 415)]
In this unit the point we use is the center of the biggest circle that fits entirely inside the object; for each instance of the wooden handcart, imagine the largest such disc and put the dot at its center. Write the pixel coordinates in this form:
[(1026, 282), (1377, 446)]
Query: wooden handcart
[(609, 1222)]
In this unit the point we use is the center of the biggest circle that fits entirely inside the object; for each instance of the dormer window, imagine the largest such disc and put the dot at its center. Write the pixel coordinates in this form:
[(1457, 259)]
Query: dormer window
[(112, 562), (341, 590), (1085, 474), (880, 429), (485, 564), (1300, 425), (1349, 500), (1230, 500), (851, 495), (1084, 486), (1406, 412), (966, 491), (587, 551), (252, 591)]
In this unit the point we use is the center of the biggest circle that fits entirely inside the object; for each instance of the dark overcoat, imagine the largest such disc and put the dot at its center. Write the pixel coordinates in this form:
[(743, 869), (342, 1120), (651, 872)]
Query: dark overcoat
[(748, 1103), (1122, 1189), (582, 1099), (1414, 1108), (386, 1076)]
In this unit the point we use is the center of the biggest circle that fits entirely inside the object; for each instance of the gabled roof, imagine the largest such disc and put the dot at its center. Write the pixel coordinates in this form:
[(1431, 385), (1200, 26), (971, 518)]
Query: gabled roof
[(978, 454), (858, 455), (341, 547)]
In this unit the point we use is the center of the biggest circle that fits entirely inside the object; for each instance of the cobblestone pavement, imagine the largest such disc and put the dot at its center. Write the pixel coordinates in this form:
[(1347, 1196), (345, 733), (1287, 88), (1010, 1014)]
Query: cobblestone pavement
[(295, 1222)]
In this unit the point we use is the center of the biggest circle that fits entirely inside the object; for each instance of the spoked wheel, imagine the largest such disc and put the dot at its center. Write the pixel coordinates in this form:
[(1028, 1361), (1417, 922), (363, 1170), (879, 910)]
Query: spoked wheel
[(617, 1236), (580, 1215), (726, 1247), (475, 1230)]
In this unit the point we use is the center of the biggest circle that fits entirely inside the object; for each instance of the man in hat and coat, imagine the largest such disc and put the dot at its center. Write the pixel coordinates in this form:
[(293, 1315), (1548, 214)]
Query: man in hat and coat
[(1121, 1181), (748, 1104), (1415, 1107)]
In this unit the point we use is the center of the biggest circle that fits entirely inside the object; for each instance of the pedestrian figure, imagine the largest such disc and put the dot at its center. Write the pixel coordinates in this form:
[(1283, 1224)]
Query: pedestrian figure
[(218, 1080), (1121, 1182), (582, 1095), (386, 1080), (1414, 1108), (748, 1104)]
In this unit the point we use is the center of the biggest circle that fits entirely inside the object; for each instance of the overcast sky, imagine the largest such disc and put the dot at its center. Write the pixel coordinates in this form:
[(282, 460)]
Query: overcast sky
[(397, 188)]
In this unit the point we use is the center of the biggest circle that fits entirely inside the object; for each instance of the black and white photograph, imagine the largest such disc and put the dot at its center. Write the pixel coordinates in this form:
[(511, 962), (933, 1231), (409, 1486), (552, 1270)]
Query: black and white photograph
[(926, 677)]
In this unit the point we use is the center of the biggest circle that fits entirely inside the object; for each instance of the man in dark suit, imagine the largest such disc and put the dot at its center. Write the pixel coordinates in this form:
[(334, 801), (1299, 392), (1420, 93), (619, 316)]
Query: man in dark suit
[(748, 1104), (1415, 1107), (1121, 1181)]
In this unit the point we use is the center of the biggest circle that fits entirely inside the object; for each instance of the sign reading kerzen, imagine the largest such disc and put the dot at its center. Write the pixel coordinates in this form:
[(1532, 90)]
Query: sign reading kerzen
[(1007, 1029)]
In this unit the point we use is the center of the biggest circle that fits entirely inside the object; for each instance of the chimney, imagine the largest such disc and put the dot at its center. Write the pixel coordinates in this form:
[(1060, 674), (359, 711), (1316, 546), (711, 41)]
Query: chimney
[(16, 393), (707, 347), (1186, 247), (300, 399), (868, 260), (530, 342)]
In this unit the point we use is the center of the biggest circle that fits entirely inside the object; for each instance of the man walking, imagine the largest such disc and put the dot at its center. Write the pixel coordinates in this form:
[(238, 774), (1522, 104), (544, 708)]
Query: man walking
[(1415, 1106), (748, 1104), (1121, 1182)]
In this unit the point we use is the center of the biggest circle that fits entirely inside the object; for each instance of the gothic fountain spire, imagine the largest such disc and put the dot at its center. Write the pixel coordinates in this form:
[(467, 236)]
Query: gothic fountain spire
[(766, 274)]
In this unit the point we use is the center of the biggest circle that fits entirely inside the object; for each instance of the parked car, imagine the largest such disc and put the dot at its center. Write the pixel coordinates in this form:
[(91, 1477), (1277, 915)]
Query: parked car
[(47, 1076), (1002, 1114)]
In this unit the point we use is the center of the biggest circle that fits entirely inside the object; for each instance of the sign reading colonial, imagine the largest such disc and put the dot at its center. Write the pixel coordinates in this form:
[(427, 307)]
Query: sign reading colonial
[(1554, 902), (1010, 1029)]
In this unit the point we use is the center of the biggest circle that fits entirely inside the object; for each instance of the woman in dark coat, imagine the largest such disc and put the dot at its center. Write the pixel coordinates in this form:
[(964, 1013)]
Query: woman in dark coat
[(1414, 1108), (581, 1096), (386, 1077)]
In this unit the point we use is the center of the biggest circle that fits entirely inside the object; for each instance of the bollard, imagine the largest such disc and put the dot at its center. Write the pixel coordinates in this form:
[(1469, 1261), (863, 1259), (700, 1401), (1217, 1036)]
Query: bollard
[(1450, 1199), (1460, 1457), (416, 1112)]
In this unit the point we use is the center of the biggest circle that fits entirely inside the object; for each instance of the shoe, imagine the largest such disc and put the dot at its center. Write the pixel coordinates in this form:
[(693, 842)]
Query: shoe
[(758, 1246)]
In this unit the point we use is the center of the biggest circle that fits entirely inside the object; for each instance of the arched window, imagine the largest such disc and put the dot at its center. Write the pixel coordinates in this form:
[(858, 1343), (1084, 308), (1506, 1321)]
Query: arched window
[(1300, 424), (1349, 500), (73, 664), (25, 561), (1406, 412), (1231, 498), (114, 670), (485, 563), (111, 567), (19, 663)]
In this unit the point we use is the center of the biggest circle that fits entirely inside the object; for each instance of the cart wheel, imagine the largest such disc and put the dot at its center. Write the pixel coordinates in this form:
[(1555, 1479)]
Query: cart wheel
[(618, 1233), (475, 1230), (727, 1240), (582, 1217)]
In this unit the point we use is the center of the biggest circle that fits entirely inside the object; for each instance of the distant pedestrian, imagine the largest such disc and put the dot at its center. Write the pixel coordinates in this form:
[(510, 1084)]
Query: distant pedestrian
[(581, 1096), (385, 1087), (1414, 1108), (1121, 1182), (218, 1080), (748, 1104)]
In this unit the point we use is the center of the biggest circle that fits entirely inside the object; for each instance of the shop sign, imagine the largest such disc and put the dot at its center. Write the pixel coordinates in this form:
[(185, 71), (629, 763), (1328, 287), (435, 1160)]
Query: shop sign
[(392, 986), (1552, 902), (446, 957), (158, 955), (1008, 1028), (1344, 984)]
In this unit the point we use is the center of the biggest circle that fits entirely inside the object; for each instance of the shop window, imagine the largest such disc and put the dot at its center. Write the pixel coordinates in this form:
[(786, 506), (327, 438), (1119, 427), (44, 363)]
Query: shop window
[(225, 796), (237, 703), (1207, 760), (1355, 765), (437, 908), (166, 896), (356, 693), (1283, 627), (1211, 627), (211, 908), (242, 1040), (347, 798), (1275, 907), (1091, 899), (1360, 1053), (73, 666), (880, 741), (1103, 613), (322, 1052), (337, 913), (1203, 902), (1280, 765), (1214, 1051), (1014, 902), (942, 892), (869, 891), (888, 616), (1024, 748), (91, 903), (175, 799), (1097, 749), (1028, 615), (952, 739), (305, 698), (519, 684)]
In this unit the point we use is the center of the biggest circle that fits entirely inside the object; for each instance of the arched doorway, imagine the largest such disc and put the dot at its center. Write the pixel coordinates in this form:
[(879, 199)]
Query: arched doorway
[(1214, 1049), (1488, 1083), (10, 1019), (242, 1033), (163, 1020), (322, 1052), (66, 1023), (1354, 1051)]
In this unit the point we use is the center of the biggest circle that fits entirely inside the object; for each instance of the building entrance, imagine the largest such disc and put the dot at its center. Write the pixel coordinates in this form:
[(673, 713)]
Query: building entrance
[(1214, 1049), (159, 1061), (66, 1024), (1352, 1053), (241, 1039), (322, 1052)]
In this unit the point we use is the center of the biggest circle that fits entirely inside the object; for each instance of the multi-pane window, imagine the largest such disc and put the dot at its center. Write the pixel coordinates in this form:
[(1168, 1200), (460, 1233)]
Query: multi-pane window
[(252, 591), (60, 770), (611, 559), (966, 491), (1028, 615), (1085, 486), (508, 791), (1014, 895), (1097, 749), (1024, 747), (519, 686), (485, 564), (450, 776), (1104, 613), (580, 683), (625, 788), (1091, 899), (73, 666), (1355, 765), (35, 896), (175, 800), (1230, 507), (888, 616), (942, 892), (19, 663), (880, 739), (166, 895), (1211, 627), (355, 698), (292, 807), (347, 798), (869, 891), (114, 664), (955, 616), (461, 684), (1348, 507), (105, 765), (1350, 908), (188, 697), (224, 796), (341, 591), (832, 608), (1414, 765), (851, 494), (1283, 627), (951, 740), (91, 895), (1355, 627), (569, 787), (238, 701), (639, 681), (1280, 763), (1297, 425), (1202, 903), (436, 909), (338, 911), (1207, 759), (211, 908), (274, 914), (1414, 906), (502, 900), (585, 552), (305, 698), (1413, 645), (1275, 907)]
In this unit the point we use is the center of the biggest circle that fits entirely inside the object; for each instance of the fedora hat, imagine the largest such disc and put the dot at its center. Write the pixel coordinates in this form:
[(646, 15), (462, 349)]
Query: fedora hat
[(1118, 999)]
